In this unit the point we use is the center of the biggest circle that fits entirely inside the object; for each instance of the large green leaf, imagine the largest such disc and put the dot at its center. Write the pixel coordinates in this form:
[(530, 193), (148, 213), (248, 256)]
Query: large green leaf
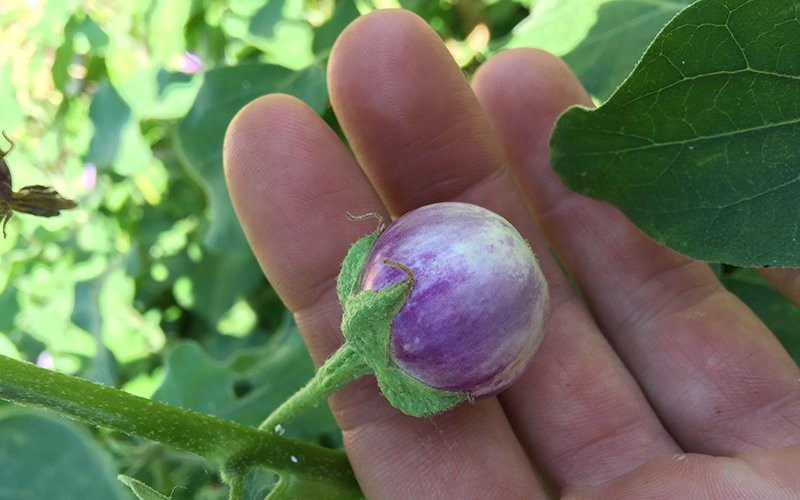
[(200, 134), (46, 457), (699, 146), (195, 382)]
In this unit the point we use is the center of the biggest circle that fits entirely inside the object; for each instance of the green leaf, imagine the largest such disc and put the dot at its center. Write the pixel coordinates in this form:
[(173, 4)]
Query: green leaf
[(13, 111), (556, 26), (86, 315), (699, 146), (81, 35), (195, 382), (7, 348), (9, 307), (780, 315), (104, 308), (600, 40), (46, 457), (324, 36), (235, 274), (166, 22), (155, 93), (110, 115), (200, 134)]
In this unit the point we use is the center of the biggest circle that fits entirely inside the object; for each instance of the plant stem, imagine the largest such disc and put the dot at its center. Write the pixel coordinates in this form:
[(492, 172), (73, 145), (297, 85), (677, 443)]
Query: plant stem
[(342, 367), (233, 446)]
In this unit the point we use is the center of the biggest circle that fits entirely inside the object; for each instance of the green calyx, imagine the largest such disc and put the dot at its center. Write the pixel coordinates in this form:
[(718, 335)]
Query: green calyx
[(367, 317)]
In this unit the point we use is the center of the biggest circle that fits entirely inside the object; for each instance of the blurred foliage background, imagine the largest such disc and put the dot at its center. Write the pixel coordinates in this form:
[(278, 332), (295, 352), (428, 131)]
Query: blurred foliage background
[(149, 285)]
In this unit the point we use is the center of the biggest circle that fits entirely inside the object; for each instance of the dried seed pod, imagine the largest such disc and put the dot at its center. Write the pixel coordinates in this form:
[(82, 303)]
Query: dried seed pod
[(42, 201)]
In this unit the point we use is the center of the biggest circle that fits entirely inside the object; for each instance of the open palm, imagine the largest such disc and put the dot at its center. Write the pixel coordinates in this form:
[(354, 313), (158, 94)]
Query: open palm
[(652, 381)]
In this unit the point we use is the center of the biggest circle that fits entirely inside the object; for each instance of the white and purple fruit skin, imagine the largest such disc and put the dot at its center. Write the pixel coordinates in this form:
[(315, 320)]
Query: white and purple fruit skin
[(479, 304)]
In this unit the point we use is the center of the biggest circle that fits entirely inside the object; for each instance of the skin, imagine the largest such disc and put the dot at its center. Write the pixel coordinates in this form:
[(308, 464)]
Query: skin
[(655, 382)]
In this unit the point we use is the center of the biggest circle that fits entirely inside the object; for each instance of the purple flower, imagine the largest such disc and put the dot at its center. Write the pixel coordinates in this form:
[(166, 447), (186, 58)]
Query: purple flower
[(190, 63), (45, 360), (89, 176)]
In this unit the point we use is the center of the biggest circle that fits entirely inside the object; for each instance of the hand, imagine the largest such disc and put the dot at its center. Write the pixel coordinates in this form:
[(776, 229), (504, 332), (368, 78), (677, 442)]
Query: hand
[(656, 382)]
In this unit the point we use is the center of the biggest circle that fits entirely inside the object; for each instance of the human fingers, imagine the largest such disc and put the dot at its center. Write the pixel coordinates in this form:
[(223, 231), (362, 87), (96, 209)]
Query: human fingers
[(718, 379), (292, 182), (422, 137), (756, 474)]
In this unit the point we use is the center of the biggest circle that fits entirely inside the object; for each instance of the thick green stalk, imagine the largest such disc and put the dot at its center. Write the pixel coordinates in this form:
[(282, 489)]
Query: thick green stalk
[(233, 446)]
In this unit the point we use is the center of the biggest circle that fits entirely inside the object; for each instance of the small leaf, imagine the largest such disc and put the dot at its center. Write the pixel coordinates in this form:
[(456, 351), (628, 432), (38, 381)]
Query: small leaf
[(141, 490), (699, 146)]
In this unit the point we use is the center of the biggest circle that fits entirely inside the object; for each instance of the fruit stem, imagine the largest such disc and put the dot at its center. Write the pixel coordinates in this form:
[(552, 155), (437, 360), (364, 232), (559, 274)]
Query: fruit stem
[(342, 367)]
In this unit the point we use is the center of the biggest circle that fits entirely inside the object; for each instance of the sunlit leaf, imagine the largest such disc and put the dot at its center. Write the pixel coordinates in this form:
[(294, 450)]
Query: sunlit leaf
[(127, 332), (79, 30), (699, 146), (166, 23), (556, 26)]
